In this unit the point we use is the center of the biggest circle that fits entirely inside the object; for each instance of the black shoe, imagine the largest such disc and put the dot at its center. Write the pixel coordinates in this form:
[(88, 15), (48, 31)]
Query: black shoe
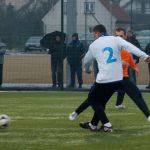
[(70, 86), (105, 129), (80, 87), (148, 87), (54, 86), (85, 125)]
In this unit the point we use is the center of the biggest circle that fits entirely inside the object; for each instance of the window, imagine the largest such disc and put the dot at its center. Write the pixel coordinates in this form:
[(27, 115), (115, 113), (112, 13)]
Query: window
[(143, 7), (147, 7), (89, 7)]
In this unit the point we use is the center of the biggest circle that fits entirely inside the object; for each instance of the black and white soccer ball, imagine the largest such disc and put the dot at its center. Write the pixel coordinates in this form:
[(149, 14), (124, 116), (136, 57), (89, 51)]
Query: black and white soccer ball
[(4, 121)]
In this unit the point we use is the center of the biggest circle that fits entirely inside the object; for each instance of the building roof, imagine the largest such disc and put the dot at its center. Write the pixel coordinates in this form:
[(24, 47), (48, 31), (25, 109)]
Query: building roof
[(116, 11)]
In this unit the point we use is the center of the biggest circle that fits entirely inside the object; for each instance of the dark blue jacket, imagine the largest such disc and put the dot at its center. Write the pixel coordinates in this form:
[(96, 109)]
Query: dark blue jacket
[(75, 53)]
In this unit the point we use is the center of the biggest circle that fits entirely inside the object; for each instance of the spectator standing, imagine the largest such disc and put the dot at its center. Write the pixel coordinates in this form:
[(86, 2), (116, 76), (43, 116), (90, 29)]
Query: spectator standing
[(56, 56), (131, 37), (75, 53), (147, 50), (2, 53)]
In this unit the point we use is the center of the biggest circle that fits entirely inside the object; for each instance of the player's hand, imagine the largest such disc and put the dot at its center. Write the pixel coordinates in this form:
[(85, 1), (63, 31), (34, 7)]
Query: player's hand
[(125, 64), (88, 70)]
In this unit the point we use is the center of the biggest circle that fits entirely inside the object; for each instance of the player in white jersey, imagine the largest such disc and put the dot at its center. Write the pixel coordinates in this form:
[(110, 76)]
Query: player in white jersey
[(106, 51)]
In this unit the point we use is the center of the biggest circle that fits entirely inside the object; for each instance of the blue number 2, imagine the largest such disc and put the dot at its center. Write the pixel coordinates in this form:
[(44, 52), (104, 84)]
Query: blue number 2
[(110, 59)]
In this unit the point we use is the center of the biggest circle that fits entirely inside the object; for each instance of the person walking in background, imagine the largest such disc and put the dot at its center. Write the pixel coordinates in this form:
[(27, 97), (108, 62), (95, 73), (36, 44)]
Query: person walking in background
[(131, 37), (56, 54), (75, 53), (147, 51)]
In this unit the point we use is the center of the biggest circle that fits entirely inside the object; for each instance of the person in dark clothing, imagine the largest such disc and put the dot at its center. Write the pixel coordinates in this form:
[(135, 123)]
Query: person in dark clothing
[(147, 51), (75, 53), (56, 61), (2, 53), (131, 37)]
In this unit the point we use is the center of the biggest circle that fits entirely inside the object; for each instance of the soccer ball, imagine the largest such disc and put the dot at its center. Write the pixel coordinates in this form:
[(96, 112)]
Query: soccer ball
[(4, 121)]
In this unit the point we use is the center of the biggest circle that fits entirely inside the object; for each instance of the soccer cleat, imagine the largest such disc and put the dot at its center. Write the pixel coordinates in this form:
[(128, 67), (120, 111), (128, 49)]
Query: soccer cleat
[(105, 129), (120, 106), (73, 116), (88, 125)]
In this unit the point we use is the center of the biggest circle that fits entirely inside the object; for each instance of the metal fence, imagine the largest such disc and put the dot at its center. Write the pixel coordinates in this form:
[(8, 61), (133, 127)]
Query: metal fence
[(29, 66)]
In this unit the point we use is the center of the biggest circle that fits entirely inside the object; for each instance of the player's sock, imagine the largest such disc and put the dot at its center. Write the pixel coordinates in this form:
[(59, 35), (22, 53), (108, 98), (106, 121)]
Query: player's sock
[(88, 125), (108, 124), (73, 116), (120, 106), (92, 126)]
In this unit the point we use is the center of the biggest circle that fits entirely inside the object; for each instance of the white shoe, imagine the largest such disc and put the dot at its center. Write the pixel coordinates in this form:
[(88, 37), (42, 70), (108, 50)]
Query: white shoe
[(120, 106), (73, 116), (148, 118)]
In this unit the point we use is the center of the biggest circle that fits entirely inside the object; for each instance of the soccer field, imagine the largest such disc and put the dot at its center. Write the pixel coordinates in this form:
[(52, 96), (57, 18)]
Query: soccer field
[(39, 121)]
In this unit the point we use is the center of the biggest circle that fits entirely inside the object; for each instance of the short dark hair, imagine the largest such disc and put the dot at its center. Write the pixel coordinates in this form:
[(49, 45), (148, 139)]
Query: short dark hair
[(121, 29), (131, 32), (100, 28)]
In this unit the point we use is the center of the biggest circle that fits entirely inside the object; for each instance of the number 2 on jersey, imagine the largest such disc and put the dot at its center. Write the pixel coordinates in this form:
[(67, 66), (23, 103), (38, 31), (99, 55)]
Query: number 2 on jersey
[(110, 59)]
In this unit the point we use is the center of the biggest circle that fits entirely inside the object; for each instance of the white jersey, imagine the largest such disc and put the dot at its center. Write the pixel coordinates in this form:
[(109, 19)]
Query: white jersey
[(106, 51)]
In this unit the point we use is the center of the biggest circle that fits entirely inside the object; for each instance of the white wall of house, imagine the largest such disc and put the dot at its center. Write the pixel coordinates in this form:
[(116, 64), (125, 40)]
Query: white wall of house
[(52, 20)]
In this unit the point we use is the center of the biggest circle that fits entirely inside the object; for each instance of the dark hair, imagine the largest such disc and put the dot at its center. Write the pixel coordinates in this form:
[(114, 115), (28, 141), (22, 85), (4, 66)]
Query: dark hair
[(100, 28), (131, 32), (121, 29), (75, 35)]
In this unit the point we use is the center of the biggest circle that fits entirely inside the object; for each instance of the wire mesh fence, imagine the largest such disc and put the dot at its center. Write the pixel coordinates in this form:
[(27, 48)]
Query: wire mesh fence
[(22, 27)]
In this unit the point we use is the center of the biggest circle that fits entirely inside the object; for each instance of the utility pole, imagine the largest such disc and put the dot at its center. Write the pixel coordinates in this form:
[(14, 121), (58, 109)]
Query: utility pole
[(62, 45), (71, 26), (131, 14), (111, 19), (71, 17)]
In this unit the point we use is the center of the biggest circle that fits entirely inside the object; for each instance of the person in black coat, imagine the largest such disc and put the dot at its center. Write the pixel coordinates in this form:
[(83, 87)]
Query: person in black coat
[(56, 61), (75, 53), (2, 53), (147, 50), (131, 37)]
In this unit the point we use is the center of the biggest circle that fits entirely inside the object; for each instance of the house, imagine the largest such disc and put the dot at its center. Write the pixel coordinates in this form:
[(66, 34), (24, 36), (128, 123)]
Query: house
[(138, 6), (89, 13), (139, 10)]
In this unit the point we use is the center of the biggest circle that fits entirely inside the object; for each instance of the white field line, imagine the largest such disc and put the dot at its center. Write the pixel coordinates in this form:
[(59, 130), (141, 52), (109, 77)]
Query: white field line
[(55, 116)]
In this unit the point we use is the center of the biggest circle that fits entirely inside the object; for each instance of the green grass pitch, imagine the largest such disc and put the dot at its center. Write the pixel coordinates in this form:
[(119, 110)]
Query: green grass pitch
[(39, 121)]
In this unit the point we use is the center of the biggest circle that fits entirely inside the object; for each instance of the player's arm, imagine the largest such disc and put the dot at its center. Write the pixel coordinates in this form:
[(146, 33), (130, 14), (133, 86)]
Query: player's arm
[(88, 59), (132, 49)]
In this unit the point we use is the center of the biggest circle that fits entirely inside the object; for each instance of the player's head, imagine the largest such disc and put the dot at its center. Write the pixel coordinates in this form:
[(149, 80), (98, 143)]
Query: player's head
[(130, 34), (75, 36), (57, 38), (120, 32), (99, 30)]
